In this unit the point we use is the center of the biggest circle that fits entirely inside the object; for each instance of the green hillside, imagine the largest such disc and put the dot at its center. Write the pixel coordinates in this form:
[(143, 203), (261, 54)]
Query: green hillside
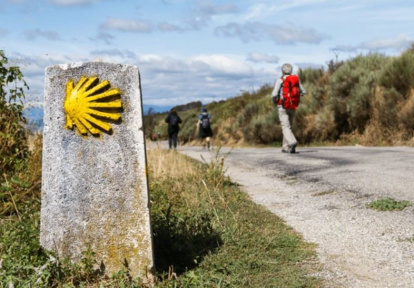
[(366, 100)]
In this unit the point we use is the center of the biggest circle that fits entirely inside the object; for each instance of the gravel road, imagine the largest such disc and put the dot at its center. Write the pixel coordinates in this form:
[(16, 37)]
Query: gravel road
[(322, 193)]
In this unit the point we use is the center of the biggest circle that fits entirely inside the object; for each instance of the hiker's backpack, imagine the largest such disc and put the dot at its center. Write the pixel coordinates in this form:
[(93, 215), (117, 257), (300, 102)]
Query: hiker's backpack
[(290, 92), (205, 121), (173, 119)]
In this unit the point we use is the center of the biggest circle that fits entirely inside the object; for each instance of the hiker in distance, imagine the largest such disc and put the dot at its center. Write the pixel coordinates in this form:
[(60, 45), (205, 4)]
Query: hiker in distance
[(204, 129), (286, 95), (173, 121)]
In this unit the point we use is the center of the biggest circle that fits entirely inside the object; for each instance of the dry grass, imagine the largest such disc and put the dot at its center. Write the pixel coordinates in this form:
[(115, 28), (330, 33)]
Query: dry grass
[(169, 165), (198, 211)]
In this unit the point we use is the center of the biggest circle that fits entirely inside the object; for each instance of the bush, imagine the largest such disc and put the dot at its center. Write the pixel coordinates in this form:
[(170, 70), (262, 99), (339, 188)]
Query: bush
[(399, 73), (13, 144), (406, 117), (310, 76), (351, 90)]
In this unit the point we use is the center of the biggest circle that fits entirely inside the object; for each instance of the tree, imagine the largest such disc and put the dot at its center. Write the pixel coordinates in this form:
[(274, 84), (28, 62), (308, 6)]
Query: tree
[(13, 143)]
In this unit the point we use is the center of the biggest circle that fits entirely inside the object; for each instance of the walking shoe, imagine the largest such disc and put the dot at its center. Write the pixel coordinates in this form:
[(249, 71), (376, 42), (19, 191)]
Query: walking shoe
[(292, 148)]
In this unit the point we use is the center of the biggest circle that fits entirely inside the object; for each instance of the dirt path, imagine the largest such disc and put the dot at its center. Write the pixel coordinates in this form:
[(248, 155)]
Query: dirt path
[(322, 193)]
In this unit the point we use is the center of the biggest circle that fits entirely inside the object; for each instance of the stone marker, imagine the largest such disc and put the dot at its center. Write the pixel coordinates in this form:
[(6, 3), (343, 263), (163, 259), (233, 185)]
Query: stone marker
[(94, 182)]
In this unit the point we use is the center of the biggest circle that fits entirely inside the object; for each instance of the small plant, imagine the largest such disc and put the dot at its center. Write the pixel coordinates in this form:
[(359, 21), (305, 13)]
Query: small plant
[(388, 204)]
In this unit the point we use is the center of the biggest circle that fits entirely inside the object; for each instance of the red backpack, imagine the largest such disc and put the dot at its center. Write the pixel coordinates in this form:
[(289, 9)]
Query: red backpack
[(290, 92)]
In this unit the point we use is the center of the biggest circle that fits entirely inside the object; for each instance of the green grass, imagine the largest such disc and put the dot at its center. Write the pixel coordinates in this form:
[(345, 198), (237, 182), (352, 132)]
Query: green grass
[(206, 232), (241, 245), (389, 204)]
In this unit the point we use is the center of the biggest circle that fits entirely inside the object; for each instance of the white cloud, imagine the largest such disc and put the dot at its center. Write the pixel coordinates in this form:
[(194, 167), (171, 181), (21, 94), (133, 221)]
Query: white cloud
[(398, 43), (344, 48), (287, 34), (259, 11), (203, 78), (402, 41), (204, 10), (128, 25), (104, 36), (168, 27), (165, 80), (262, 57), (37, 33), (223, 65), (208, 8)]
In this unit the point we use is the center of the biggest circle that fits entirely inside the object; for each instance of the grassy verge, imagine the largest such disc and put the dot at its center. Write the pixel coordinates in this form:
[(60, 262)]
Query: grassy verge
[(229, 241), (206, 233)]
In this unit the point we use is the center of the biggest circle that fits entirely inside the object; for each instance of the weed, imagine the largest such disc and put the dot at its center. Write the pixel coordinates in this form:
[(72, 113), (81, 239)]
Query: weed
[(323, 193), (389, 204)]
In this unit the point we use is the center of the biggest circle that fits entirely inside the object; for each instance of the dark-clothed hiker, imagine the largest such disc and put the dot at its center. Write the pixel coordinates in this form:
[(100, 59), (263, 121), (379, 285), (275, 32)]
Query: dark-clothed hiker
[(173, 121), (204, 127), (286, 95)]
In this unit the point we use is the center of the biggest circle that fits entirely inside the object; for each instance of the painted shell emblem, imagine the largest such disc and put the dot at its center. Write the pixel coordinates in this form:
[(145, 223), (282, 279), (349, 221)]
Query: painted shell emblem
[(90, 105)]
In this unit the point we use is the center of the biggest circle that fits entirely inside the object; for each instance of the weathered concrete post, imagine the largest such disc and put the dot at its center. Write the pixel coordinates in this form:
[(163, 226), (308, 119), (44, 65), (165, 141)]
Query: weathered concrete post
[(94, 184)]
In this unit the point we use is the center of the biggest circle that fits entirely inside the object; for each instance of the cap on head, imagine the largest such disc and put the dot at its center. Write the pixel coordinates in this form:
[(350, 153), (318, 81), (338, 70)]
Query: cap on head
[(287, 69), (204, 109)]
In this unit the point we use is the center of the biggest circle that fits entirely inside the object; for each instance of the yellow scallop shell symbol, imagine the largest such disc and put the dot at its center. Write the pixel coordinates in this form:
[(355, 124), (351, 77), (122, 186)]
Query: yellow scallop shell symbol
[(90, 104)]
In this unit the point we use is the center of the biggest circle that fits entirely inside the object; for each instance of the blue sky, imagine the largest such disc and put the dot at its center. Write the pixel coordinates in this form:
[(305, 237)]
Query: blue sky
[(199, 50)]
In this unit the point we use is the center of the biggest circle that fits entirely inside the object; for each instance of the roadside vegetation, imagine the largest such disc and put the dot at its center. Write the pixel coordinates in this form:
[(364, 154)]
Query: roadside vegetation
[(207, 233), (389, 204), (366, 100)]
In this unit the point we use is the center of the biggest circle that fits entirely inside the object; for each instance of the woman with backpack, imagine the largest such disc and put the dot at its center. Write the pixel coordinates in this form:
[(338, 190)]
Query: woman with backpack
[(204, 128), (173, 128)]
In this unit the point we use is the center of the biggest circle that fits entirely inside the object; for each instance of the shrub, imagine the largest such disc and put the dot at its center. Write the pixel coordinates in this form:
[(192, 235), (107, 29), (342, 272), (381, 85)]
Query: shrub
[(406, 117), (310, 75), (351, 90), (399, 73), (388, 108), (249, 112), (13, 144)]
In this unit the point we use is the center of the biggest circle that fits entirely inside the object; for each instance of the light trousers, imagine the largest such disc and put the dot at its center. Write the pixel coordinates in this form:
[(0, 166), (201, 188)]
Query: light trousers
[(286, 121)]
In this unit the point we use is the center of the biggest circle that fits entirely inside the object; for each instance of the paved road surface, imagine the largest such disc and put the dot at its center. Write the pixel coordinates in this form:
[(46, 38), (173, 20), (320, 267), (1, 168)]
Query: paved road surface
[(322, 193)]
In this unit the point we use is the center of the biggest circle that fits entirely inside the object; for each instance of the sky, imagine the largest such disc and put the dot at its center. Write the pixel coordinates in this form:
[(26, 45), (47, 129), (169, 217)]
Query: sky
[(199, 50)]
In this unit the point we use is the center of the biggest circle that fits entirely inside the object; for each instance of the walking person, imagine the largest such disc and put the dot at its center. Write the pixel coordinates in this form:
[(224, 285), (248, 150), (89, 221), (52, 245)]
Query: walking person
[(286, 95), (204, 128), (173, 121)]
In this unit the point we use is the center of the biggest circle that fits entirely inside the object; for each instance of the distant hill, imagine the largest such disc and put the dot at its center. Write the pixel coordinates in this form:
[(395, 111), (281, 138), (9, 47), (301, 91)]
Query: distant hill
[(156, 109)]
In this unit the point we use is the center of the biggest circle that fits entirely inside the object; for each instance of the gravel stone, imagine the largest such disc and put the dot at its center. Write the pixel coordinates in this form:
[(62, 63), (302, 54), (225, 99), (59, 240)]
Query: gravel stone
[(322, 193)]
